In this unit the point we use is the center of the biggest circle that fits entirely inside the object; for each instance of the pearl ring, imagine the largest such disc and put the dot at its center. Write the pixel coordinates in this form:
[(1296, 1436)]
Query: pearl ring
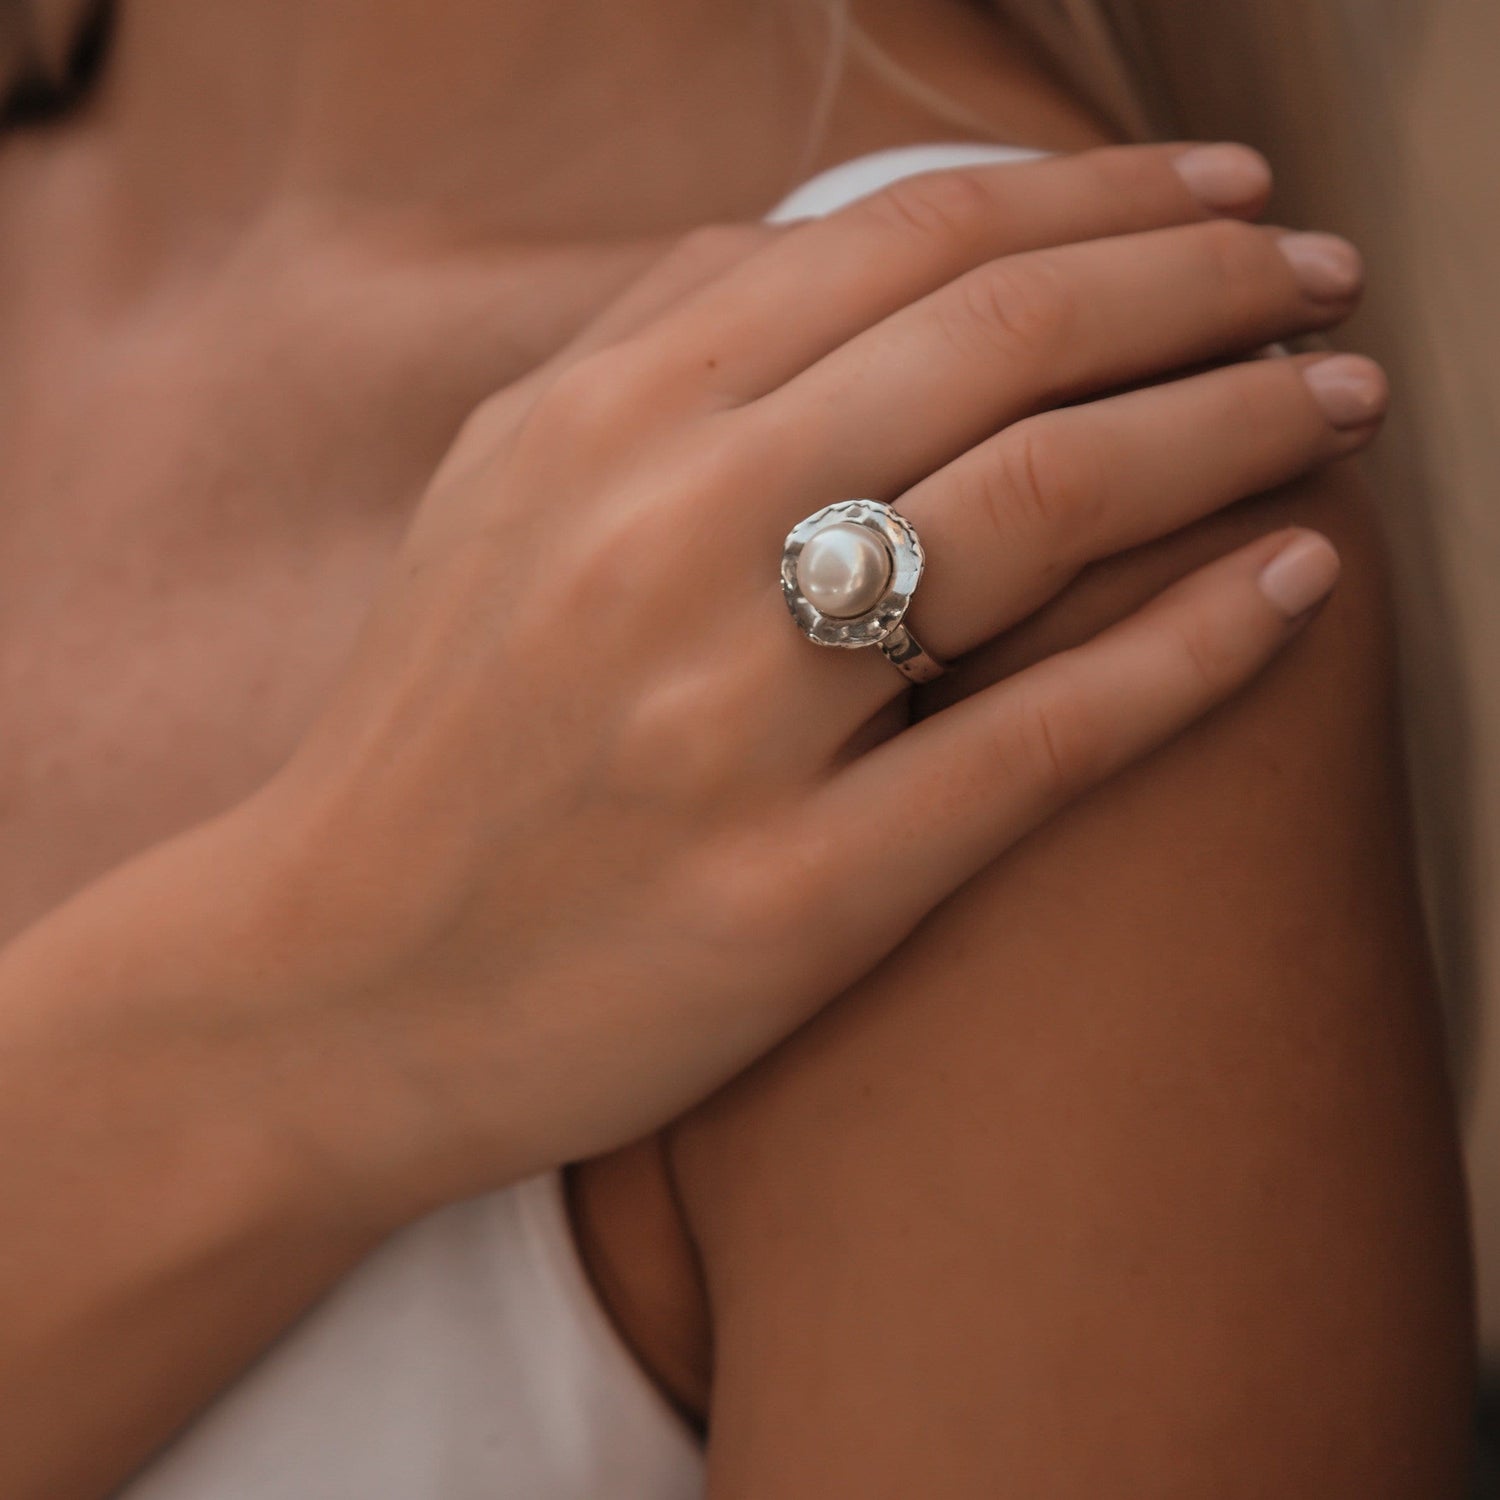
[(848, 573)]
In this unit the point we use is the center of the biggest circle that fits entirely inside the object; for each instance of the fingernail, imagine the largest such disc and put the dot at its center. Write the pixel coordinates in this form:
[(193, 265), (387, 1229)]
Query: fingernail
[(1301, 575), (1225, 176), (1327, 267), (1351, 389)]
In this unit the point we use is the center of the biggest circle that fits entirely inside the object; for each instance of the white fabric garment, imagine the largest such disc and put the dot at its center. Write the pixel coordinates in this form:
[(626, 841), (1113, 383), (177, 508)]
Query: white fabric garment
[(468, 1359)]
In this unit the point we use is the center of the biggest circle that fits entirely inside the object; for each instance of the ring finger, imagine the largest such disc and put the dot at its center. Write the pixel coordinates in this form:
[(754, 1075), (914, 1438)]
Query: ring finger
[(1007, 526), (1014, 520)]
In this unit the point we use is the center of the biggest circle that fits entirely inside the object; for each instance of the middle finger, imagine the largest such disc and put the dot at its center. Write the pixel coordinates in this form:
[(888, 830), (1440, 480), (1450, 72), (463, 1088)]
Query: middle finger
[(1033, 331)]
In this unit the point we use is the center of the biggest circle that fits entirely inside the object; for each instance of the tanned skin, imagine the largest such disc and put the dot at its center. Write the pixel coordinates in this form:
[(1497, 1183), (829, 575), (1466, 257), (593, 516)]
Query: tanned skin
[(1131, 1172)]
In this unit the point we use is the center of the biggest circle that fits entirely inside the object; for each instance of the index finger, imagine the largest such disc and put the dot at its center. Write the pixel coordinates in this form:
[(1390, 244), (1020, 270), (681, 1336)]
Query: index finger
[(824, 281)]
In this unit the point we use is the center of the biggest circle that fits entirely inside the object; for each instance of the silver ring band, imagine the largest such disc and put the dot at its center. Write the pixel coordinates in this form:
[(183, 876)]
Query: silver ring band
[(909, 658)]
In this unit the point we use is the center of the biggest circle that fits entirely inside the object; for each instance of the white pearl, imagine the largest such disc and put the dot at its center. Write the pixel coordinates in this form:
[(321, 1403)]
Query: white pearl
[(844, 570)]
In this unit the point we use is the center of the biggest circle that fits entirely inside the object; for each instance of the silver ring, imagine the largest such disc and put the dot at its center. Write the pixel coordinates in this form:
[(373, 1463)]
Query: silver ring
[(908, 658), (848, 573)]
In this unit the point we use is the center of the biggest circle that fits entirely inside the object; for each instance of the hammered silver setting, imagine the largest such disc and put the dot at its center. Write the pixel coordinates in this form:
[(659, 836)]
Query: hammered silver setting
[(907, 559)]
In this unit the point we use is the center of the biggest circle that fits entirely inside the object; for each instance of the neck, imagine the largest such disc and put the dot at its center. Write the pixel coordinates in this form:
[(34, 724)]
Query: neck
[(532, 119)]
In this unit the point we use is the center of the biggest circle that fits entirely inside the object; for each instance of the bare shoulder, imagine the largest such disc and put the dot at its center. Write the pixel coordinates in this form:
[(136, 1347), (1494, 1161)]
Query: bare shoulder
[(1132, 1170)]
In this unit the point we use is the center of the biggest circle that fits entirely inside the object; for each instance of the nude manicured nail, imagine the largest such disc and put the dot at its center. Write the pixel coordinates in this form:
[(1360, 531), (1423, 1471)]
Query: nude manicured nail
[(1327, 268), (1225, 176), (1301, 575), (1351, 389)]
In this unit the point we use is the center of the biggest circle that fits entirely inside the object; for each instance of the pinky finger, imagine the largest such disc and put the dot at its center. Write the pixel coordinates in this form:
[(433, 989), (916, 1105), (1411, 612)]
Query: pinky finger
[(964, 785)]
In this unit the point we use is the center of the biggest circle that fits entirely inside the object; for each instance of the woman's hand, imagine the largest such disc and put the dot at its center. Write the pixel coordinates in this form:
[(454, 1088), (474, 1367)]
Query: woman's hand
[(588, 824), (586, 827)]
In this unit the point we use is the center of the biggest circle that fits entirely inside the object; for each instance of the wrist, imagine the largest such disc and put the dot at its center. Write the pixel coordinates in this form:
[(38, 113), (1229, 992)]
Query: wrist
[(184, 1008), (370, 1072)]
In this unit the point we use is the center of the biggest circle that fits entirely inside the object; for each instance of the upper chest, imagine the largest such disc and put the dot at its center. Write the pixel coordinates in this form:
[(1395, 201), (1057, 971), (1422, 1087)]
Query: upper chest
[(181, 567), (200, 484)]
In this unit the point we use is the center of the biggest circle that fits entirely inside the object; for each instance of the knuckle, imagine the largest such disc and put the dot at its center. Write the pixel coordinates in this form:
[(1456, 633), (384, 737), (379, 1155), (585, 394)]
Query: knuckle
[(949, 207), (680, 745), (750, 451), (1058, 745), (717, 464), (1240, 263), (1022, 308), (592, 398), (1208, 656), (986, 491), (1269, 403), (714, 247), (487, 422), (1050, 484), (601, 575), (740, 450), (1142, 183), (1123, 176), (1134, 169)]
